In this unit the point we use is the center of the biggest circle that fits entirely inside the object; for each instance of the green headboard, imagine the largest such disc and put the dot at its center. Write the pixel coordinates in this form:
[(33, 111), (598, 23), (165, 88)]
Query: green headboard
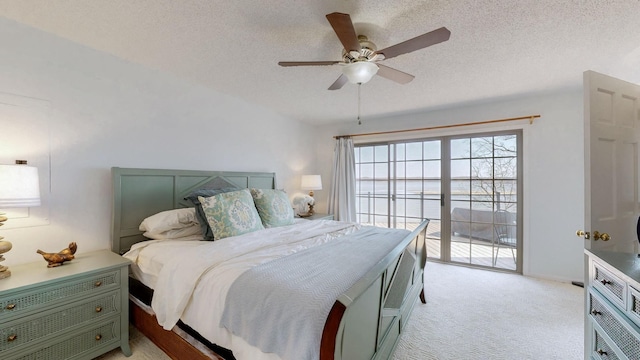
[(139, 193)]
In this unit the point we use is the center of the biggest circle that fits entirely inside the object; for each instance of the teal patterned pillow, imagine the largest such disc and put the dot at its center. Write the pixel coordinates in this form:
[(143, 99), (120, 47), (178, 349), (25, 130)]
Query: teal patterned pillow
[(273, 207), (230, 214)]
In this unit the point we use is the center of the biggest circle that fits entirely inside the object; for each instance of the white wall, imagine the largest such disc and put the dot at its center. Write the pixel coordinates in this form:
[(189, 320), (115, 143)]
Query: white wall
[(553, 169), (106, 112)]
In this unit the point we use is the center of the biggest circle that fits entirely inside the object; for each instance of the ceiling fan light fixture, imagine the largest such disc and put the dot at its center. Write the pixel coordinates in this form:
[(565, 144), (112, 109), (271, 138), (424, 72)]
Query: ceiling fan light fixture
[(360, 72)]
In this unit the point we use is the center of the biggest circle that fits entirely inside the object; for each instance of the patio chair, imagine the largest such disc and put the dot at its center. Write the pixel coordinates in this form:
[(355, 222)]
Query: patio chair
[(505, 230)]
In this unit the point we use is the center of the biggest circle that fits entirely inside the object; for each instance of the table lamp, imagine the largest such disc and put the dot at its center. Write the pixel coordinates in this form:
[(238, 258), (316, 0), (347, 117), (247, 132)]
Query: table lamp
[(19, 187), (311, 182)]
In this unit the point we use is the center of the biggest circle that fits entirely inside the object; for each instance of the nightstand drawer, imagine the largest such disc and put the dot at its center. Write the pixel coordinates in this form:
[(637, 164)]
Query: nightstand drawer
[(25, 301), (61, 319), (99, 336)]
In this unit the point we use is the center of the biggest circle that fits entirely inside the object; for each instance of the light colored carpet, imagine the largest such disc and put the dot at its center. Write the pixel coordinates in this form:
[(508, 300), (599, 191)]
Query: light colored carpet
[(141, 347), (473, 315)]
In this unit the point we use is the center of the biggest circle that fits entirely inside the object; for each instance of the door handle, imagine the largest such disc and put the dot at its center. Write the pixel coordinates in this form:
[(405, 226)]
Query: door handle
[(596, 235), (601, 236)]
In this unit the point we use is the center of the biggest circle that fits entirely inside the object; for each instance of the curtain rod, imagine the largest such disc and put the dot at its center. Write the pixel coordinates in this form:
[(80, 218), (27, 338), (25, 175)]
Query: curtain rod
[(530, 118)]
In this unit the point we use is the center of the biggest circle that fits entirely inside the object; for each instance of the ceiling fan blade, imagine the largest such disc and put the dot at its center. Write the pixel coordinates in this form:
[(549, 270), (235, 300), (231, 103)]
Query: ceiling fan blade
[(306, 63), (419, 42), (343, 27), (394, 75), (338, 84)]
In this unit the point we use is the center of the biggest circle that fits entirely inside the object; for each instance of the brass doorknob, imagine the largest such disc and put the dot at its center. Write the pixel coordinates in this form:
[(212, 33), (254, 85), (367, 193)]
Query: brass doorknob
[(601, 236), (596, 235), (582, 233)]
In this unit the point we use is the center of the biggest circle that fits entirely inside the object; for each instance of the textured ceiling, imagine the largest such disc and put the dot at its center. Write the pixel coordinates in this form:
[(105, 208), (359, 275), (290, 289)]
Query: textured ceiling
[(498, 48)]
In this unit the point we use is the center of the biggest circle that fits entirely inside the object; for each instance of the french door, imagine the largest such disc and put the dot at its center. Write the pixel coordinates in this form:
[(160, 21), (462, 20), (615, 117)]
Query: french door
[(468, 186)]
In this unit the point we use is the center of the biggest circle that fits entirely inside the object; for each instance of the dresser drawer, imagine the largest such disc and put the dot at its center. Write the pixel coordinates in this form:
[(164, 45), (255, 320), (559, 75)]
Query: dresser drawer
[(633, 310), (17, 303), (75, 345), (601, 348), (51, 323), (623, 334), (610, 285)]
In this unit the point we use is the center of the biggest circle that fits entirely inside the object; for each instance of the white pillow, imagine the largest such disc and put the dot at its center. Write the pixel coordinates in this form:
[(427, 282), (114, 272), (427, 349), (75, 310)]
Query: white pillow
[(189, 233), (171, 224)]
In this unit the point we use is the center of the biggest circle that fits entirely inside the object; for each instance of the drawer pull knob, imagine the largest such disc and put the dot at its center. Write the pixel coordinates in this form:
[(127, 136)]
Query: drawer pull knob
[(605, 282), (595, 312), (98, 308), (12, 337), (98, 283), (98, 337), (601, 352), (11, 306)]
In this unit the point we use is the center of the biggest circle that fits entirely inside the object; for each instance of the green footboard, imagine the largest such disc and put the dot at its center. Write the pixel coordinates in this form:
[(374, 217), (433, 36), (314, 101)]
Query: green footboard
[(366, 321)]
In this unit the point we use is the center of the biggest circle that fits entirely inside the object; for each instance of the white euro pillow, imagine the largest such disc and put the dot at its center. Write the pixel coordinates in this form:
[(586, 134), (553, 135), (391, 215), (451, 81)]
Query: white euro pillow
[(171, 224)]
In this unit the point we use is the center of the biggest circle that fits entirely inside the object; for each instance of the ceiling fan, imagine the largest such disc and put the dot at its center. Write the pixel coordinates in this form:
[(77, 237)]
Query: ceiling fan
[(360, 57)]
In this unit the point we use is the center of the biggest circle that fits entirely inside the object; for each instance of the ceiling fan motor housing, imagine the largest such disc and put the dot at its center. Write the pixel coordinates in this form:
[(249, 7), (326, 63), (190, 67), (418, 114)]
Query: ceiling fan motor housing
[(367, 51)]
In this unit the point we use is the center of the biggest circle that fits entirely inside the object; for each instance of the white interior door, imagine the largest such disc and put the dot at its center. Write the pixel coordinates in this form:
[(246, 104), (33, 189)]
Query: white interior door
[(611, 162)]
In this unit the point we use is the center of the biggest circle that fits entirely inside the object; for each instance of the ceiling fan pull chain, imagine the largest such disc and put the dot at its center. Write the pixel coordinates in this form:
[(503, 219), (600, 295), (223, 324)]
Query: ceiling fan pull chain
[(359, 85)]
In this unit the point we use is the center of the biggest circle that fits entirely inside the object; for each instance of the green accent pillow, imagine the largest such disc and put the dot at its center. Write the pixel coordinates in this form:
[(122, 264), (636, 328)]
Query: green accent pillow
[(273, 207), (231, 213), (207, 234)]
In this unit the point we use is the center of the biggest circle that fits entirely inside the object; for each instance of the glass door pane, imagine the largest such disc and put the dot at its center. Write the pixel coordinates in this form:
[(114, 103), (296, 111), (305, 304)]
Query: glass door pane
[(417, 190), (484, 201), (373, 199), (401, 183), (432, 196)]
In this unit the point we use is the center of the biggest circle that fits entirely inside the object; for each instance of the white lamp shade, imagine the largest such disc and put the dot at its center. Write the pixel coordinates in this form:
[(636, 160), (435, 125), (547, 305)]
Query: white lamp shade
[(360, 72), (19, 186), (311, 182)]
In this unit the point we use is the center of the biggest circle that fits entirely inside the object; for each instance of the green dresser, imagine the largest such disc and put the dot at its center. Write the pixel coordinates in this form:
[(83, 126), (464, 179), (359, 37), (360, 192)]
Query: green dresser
[(612, 322), (76, 311)]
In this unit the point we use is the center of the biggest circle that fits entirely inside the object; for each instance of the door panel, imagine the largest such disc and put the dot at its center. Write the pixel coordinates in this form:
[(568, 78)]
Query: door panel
[(611, 161)]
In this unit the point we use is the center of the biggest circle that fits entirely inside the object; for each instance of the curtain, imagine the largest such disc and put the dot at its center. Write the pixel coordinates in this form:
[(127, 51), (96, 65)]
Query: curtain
[(342, 196)]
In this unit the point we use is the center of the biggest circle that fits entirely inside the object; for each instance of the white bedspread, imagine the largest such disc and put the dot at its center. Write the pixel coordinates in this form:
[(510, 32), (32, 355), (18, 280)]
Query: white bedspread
[(181, 266)]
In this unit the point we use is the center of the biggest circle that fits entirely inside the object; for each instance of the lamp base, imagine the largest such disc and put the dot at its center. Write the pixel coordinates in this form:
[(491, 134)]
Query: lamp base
[(5, 274), (4, 247)]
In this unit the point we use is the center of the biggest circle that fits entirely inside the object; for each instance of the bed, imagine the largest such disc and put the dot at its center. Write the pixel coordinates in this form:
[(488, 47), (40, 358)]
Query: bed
[(363, 320)]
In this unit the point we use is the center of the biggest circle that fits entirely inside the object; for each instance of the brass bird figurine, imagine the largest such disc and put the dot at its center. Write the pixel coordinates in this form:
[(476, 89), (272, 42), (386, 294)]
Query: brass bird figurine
[(57, 259), (71, 250)]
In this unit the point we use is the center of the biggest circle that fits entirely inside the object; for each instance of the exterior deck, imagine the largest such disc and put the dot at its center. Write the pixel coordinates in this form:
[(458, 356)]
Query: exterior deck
[(465, 250)]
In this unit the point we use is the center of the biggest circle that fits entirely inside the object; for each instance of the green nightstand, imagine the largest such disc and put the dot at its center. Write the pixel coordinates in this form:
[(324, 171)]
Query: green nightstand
[(318, 216), (79, 310)]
